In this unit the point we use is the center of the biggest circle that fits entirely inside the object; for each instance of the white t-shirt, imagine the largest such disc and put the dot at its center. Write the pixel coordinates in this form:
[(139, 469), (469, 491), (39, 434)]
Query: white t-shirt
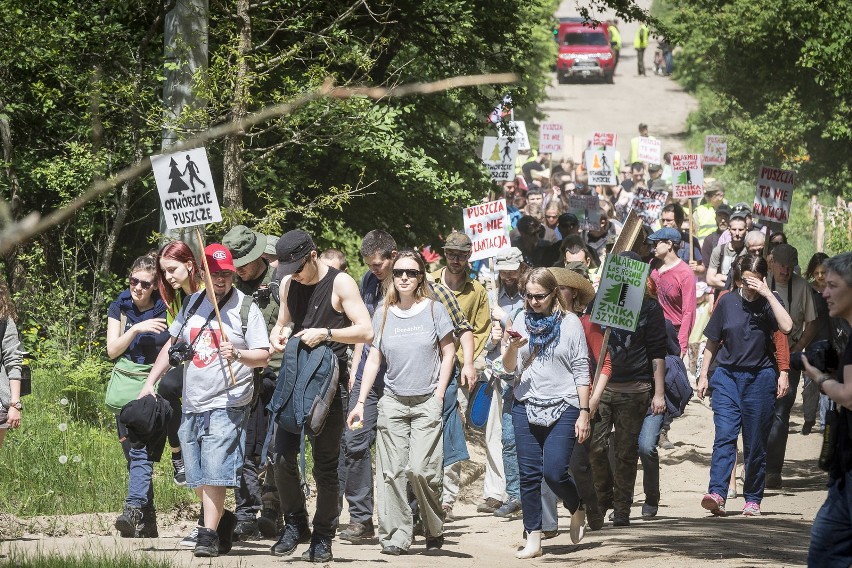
[(206, 381)]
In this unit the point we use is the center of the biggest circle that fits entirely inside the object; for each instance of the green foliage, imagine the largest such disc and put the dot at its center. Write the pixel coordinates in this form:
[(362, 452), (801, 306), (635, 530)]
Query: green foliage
[(88, 560)]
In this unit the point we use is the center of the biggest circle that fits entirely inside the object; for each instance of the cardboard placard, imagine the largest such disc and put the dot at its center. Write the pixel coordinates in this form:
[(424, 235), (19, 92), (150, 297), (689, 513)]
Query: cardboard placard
[(519, 131), (499, 155), (487, 225), (649, 204), (587, 209), (715, 150), (600, 159), (185, 186), (551, 138), (650, 150), (687, 176), (621, 292), (774, 194)]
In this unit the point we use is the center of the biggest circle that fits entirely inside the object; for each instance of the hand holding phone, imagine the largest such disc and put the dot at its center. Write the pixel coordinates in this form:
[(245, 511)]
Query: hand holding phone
[(512, 333)]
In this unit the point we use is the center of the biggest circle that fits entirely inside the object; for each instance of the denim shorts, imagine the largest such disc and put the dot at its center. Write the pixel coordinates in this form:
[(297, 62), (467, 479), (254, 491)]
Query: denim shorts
[(214, 446)]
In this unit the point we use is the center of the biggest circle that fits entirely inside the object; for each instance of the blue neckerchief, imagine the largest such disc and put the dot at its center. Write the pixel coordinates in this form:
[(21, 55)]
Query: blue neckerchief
[(543, 331)]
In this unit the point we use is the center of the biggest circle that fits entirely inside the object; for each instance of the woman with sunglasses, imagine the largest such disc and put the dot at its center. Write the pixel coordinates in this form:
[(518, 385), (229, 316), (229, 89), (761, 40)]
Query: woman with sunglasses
[(550, 412), (414, 337), (136, 330), (178, 277)]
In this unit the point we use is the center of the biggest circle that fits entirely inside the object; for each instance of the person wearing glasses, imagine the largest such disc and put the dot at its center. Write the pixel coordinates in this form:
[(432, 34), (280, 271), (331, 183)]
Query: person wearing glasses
[(550, 411), (218, 387), (136, 330), (413, 336)]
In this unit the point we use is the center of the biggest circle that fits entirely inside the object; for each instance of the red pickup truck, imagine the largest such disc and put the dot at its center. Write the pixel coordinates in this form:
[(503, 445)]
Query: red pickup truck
[(584, 50)]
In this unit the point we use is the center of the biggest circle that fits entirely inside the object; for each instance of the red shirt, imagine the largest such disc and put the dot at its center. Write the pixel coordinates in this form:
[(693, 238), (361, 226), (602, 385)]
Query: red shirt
[(676, 294), (594, 340)]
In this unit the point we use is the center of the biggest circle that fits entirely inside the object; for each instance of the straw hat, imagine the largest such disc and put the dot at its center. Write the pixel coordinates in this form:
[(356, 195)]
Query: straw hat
[(583, 288)]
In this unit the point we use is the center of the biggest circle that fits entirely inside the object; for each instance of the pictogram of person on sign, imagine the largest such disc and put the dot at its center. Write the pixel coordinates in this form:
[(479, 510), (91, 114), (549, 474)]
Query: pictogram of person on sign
[(192, 168)]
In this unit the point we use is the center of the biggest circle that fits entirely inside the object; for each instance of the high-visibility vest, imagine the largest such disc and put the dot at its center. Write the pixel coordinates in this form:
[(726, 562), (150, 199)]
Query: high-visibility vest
[(641, 39), (615, 38), (634, 148)]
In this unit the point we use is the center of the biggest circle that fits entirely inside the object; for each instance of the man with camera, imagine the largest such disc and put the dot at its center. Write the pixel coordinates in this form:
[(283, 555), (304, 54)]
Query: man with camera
[(254, 276), (831, 544)]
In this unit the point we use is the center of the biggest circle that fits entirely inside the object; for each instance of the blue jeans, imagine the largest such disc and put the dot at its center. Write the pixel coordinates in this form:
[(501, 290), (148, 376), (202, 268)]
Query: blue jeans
[(742, 399), (831, 535), (140, 487), (544, 452), (650, 458), (510, 455)]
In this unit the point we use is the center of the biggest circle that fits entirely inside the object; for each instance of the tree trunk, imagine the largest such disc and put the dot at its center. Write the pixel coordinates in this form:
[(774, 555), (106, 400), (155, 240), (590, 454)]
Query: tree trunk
[(233, 164), (16, 272)]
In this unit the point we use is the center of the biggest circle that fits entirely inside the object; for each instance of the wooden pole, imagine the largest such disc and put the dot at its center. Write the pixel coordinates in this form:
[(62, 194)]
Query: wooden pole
[(212, 297), (691, 252), (601, 355)]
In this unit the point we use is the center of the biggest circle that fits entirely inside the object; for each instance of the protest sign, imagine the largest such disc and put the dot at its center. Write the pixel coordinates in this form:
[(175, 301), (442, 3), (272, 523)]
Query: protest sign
[(649, 204), (650, 150), (774, 194), (487, 225), (687, 176), (499, 155), (587, 209), (621, 292), (551, 138), (715, 150), (600, 159), (518, 129), (185, 185)]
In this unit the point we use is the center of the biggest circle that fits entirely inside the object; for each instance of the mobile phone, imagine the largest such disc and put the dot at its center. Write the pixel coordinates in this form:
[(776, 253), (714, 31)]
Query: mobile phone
[(513, 333)]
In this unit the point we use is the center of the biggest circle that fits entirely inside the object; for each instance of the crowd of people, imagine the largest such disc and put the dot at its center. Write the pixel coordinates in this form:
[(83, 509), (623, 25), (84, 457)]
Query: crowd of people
[(726, 312)]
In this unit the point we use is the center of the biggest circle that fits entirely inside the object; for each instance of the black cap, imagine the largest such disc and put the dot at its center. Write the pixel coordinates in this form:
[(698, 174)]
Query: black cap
[(724, 209), (567, 219), (291, 249)]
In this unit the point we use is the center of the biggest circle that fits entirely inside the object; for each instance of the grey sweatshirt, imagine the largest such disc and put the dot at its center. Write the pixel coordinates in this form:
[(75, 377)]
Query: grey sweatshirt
[(11, 361)]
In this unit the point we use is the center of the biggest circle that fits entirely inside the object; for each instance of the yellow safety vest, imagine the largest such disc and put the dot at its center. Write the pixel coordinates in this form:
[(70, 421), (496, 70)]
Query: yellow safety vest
[(615, 38), (641, 40)]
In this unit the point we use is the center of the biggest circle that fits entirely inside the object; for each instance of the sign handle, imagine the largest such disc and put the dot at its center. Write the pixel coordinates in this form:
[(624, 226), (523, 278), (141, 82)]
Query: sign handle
[(212, 297), (601, 355), (691, 252)]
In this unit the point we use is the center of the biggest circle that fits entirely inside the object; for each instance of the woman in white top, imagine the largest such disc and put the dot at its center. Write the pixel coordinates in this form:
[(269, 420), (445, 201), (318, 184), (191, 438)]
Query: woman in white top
[(414, 336)]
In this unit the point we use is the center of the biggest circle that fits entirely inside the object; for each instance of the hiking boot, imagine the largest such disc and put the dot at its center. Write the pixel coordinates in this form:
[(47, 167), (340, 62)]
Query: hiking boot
[(190, 540), (180, 472), (510, 509), (490, 505), (773, 481), (225, 531), (595, 520), (620, 519), (319, 550), (751, 509), (663, 441), (148, 528), (649, 511), (129, 521), (358, 532), (292, 535), (268, 523), (245, 530), (714, 503), (393, 550), (434, 543), (207, 545)]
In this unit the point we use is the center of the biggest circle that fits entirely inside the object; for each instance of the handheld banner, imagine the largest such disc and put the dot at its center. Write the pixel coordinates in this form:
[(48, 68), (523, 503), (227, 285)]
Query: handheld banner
[(687, 176), (600, 159), (715, 150), (774, 194), (519, 132), (650, 150), (186, 190), (487, 225), (649, 204), (499, 155), (551, 138), (587, 209), (620, 294)]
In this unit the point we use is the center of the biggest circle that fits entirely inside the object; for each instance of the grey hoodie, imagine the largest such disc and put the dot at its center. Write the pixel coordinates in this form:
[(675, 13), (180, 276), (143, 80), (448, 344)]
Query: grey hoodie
[(10, 363)]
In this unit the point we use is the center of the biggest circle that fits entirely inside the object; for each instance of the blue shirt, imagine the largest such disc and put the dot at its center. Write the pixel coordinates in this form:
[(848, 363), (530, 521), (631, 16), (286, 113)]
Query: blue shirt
[(745, 330), (145, 346)]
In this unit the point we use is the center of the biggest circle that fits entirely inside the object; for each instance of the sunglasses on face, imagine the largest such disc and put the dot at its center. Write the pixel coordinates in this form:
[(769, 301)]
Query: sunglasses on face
[(409, 272), (144, 283), (304, 264), (536, 297), (456, 257)]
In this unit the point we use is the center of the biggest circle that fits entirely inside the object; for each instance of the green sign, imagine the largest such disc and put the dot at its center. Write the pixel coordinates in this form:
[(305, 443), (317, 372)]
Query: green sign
[(620, 293)]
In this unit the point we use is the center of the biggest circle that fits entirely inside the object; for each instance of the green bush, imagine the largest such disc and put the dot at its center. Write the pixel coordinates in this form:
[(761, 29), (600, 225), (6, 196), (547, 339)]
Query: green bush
[(88, 560)]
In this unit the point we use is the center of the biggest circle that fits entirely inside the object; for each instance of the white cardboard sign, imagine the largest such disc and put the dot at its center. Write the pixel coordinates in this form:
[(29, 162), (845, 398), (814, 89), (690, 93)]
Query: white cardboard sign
[(715, 150), (551, 138), (499, 155), (649, 204), (600, 159), (487, 225), (650, 150), (186, 190), (687, 176), (620, 293), (520, 134), (587, 209), (774, 194)]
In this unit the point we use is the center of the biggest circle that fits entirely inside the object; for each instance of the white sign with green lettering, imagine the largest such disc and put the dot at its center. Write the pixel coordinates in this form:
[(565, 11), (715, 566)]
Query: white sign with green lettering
[(620, 294)]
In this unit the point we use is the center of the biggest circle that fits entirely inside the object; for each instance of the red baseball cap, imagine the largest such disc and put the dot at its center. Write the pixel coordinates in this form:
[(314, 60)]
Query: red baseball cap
[(219, 258)]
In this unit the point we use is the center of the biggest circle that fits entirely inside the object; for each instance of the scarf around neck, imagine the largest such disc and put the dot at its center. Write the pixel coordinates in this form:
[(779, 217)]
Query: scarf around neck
[(544, 332)]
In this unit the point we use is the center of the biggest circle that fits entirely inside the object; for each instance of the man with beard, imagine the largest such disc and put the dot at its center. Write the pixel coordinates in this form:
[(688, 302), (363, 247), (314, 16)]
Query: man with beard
[(723, 256)]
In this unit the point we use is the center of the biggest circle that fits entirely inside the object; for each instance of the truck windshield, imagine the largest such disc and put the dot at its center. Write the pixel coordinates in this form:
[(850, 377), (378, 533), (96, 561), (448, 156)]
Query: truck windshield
[(584, 38)]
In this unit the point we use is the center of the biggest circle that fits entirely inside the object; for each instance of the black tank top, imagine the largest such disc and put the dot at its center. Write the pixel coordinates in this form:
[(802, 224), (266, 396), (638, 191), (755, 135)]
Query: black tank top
[(310, 306)]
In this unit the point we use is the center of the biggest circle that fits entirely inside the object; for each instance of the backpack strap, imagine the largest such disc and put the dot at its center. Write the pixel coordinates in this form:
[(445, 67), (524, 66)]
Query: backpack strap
[(245, 307), (122, 322)]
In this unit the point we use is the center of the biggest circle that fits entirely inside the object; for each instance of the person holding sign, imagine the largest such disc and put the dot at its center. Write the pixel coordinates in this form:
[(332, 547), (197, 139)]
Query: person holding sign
[(550, 411), (746, 383), (216, 404)]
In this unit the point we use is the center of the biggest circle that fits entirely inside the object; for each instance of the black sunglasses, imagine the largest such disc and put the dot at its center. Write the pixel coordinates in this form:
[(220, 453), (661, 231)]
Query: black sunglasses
[(537, 297), (304, 264), (144, 283), (410, 272)]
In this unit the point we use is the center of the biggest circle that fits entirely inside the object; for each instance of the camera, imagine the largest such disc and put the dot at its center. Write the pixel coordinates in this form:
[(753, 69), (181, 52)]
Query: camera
[(179, 353), (821, 354), (262, 294)]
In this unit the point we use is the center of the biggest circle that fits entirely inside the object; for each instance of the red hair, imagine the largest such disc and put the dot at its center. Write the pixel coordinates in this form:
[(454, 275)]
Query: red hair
[(179, 251)]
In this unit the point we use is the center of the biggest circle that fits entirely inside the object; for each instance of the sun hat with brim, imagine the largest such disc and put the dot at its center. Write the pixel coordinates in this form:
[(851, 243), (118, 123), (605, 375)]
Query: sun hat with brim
[(566, 277), (291, 250), (219, 258), (245, 245), (270, 244)]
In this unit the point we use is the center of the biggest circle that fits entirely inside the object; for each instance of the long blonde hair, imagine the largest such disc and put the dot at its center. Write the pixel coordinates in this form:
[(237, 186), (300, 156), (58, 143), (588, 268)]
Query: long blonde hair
[(423, 290), (544, 278)]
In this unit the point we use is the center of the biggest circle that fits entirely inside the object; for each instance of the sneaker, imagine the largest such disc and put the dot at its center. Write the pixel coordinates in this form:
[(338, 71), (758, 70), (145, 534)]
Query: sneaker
[(245, 530), (732, 493), (773, 481), (509, 510), (129, 521), (180, 472), (319, 550), (448, 513), (714, 503), (751, 509), (190, 540), (291, 536), (489, 505), (663, 441), (649, 511), (807, 427), (620, 519), (267, 523), (358, 532), (578, 525), (148, 528), (547, 535), (225, 531), (595, 520), (392, 550), (207, 545), (434, 543)]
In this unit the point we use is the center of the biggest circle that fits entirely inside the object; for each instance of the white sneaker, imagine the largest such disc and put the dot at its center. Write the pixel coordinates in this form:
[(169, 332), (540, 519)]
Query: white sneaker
[(190, 540)]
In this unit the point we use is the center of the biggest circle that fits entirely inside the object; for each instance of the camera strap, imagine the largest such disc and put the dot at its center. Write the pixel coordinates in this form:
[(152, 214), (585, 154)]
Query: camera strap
[(194, 308)]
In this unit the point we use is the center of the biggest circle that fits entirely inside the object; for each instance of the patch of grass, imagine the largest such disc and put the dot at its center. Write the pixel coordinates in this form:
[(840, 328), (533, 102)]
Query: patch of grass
[(102, 560)]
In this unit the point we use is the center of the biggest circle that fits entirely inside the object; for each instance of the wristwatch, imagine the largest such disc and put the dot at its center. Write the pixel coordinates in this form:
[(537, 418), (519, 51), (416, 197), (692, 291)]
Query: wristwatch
[(238, 354), (328, 334), (17, 404)]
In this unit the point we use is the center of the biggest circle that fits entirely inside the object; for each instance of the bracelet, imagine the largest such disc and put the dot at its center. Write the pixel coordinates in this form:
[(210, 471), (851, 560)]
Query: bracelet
[(582, 408), (361, 402)]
